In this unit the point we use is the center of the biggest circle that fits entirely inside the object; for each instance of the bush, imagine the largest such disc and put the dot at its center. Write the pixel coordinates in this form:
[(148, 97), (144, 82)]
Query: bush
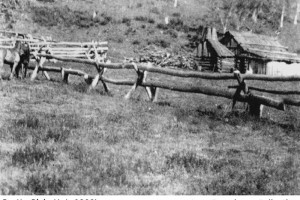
[(53, 16), (136, 42), (176, 14), (190, 161), (172, 33), (29, 121), (177, 24), (151, 21), (139, 5), (160, 42), (162, 26), (32, 154), (144, 19), (155, 10), (45, 184), (46, 1), (141, 18), (44, 127), (126, 21), (105, 19)]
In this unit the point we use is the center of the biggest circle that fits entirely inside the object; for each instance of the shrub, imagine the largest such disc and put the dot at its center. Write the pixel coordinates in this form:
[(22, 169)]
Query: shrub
[(130, 31), (45, 184), (160, 42), (190, 161), (136, 42), (151, 21), (29, 121), (116, 38), (53, 16), (46, 1), (141, 18), (32, 154), (162, 26), (172, 33), (144, 19), (44, 127), (59, 134), (104, 170), (176, 14), (139, 5), (105, 19), (155, 10), (80, 87), (126, 21)]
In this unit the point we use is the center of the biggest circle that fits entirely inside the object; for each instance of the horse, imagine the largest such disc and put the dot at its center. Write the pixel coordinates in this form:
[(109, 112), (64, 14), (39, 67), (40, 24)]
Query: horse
[(17, 57)]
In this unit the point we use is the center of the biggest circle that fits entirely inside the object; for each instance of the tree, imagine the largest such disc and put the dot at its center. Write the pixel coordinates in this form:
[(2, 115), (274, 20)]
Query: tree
[(257, 15), (224, 10), (175, 3), (297, 12), (282, 13)]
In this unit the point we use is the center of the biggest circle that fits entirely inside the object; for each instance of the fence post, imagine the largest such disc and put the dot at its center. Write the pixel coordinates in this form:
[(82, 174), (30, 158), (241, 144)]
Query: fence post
[(39, 64), (255, 108), (65, 76), (35, 71), (150, 90), (101, 70), (94, 82), (138, 82)]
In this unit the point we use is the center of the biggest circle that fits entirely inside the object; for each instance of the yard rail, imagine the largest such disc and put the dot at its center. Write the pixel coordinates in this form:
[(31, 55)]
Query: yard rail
[(94, 53), (242, 93)]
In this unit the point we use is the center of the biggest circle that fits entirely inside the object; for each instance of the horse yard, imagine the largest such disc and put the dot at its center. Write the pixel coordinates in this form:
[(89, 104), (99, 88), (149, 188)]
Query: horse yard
[(63, 139), (66, 128)]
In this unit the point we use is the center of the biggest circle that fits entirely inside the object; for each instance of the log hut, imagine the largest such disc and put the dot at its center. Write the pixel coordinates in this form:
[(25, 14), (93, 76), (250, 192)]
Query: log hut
[(259, 53), (211, 52)]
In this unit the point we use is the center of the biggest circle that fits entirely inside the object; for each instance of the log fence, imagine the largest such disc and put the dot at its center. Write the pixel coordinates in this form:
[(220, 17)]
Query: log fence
[(94, 54), (243, 92)]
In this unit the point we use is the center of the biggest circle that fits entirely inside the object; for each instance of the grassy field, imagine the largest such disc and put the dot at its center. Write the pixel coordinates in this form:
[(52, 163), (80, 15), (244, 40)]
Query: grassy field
[(60, 139)]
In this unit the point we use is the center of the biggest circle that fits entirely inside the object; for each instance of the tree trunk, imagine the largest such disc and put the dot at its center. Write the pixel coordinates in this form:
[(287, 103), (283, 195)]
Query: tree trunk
[(296, 15), (175, 3), (254, 15), (282, 15)]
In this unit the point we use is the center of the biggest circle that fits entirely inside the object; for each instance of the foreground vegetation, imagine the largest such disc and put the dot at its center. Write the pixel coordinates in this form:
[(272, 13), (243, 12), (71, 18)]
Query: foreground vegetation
[(59, 139)]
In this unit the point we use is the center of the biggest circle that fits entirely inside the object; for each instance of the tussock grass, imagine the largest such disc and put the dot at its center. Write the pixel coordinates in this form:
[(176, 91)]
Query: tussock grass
[(32, 154), (44, 127), (98, 144), (41, 183)]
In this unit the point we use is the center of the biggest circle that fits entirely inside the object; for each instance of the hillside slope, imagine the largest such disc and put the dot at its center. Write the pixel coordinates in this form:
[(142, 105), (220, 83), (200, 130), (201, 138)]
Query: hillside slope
[(127, 25)]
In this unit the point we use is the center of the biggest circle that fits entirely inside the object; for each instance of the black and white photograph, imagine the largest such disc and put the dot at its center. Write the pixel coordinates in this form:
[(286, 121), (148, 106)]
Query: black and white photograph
[(149, 97)]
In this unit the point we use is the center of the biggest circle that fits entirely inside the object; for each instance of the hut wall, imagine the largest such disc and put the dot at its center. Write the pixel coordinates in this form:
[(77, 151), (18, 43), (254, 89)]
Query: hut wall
[(257, 66), (282, 69)]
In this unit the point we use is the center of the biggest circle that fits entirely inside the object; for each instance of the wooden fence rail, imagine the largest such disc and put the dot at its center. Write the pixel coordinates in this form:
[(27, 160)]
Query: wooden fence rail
[(93, 53), (255, 101), (175, 72)]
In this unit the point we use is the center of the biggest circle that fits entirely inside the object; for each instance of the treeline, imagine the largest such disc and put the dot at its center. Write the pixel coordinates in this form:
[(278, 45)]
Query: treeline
[(260, 16)]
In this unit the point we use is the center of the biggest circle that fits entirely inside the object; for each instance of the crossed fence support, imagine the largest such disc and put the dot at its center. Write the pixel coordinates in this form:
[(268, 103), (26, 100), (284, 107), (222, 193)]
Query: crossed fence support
[(92, 49), (254, 106), (141, 78), (242, 93)]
